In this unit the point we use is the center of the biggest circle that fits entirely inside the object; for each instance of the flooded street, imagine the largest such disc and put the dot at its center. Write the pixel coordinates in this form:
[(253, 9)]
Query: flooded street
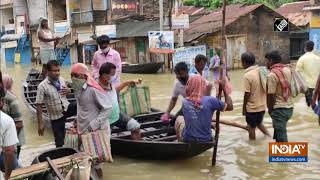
[(238, 158)]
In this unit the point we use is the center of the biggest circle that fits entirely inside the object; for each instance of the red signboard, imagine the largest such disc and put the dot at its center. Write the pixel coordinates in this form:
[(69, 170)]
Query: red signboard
[(124, 7)]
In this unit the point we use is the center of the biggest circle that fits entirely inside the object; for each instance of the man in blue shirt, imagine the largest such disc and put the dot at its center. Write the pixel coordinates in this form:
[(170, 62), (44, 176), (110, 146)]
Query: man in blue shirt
[(198, 111)]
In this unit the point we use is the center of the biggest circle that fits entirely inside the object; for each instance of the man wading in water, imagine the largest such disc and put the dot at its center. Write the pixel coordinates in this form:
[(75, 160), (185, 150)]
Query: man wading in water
[(279, 99), (254, 101)]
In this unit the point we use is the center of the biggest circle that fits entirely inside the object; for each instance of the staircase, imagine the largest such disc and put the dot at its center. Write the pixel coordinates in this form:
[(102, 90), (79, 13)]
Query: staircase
[(63, 48), (22, 42), (62, 53)]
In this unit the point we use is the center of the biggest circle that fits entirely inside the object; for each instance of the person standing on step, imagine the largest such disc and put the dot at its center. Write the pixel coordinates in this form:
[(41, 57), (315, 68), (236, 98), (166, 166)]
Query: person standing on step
[(47, 42)]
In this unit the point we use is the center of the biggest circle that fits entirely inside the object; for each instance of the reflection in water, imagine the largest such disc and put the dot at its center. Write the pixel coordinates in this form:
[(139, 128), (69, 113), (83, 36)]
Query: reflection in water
[(238, 158)]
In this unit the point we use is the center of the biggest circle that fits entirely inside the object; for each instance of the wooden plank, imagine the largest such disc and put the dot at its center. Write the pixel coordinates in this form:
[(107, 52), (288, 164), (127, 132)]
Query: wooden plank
[(167, 138), (151, 124), (55, 169), (150, 132), (35, 169), (70, 99)]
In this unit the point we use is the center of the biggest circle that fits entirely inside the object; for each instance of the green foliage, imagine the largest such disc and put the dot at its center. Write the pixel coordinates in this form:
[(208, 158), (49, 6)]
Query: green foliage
[(218, 3)]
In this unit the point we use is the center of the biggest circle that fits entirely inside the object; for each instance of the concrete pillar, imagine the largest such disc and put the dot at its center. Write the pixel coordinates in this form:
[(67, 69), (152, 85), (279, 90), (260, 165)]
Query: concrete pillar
[(50, 14)]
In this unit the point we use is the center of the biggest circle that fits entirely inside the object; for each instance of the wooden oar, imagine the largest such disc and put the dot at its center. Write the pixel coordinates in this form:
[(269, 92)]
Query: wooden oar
[(231, 123), (223, 40)]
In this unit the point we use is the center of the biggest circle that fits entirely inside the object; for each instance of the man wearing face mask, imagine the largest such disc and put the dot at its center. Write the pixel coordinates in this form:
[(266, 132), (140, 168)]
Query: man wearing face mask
[(52, 93), (93, 107), (117, 118), (181, 71), (106, 54)]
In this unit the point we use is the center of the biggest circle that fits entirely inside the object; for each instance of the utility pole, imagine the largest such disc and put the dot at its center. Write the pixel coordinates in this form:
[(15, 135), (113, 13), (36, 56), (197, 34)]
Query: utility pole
[(224, 55), (141, 7), (181, 31), (161, 14), (162, 56)]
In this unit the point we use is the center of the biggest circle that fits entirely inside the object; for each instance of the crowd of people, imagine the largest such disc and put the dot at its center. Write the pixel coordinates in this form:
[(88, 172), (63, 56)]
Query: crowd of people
[(97, 106)]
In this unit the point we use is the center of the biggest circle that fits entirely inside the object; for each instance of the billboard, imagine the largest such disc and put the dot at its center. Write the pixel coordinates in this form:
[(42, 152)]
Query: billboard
[(161, 42), (180, 21), (109, 30), (188, 54), (124, 7)]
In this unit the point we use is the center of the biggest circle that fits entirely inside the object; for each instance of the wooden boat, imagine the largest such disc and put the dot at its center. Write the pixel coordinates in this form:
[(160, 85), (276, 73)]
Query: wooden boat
[(159, 140), (148, 68), (59, 163)]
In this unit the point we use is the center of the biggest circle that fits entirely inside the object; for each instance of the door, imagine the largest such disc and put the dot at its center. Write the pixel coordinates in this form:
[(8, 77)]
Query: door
[(141, 51), (235, 47)]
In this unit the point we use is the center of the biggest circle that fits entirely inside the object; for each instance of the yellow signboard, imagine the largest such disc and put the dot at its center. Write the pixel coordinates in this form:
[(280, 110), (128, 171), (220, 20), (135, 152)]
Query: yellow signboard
[(315, 22)]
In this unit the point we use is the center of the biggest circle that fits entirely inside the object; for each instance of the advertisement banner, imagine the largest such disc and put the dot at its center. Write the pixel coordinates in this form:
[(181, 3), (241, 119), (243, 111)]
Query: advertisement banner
[(109, 30), (161, 42), (188, 54), (180, 21)]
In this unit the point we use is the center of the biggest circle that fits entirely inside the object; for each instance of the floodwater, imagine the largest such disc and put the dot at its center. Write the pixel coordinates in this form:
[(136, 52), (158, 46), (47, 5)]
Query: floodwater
[(238, 158)]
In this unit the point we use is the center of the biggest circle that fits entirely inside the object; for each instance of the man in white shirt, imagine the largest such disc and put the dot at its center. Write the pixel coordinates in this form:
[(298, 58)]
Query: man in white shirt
[(8, 140)]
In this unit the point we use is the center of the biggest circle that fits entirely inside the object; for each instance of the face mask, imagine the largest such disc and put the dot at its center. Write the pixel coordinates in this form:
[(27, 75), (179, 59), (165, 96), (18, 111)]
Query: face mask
[(77, 84), (105, 50), (112, 79), (184, 80)]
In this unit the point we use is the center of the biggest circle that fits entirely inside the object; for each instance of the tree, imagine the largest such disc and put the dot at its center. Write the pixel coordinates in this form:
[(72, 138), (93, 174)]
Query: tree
[(218, 3)]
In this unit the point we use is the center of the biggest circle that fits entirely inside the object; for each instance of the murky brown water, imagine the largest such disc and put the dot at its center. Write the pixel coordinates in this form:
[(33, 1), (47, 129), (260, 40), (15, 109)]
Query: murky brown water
[(238, 158)]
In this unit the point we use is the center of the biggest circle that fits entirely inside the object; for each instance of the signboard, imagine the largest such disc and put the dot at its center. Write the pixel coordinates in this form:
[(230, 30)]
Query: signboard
[(61, 28), (314, 35), (188, 54), (124, 7), (180, 22), (84, 37), (109, 30), (9, 44), (315, 22), (281, 25), (161, 42)]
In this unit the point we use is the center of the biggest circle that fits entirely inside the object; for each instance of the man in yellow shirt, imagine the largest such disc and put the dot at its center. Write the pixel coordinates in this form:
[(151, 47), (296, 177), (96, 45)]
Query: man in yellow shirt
[(254, 101), (309, 66)]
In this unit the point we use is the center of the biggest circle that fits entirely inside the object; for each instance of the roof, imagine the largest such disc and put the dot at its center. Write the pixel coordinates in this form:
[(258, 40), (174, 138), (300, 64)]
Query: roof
[(140, 28), (295, 7), (212, 22), (192, 10), (295, 13), (137, 28)]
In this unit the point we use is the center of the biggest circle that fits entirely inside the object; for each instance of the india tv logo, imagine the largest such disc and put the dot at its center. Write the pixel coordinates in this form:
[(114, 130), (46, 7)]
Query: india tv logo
[(288, 152)]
